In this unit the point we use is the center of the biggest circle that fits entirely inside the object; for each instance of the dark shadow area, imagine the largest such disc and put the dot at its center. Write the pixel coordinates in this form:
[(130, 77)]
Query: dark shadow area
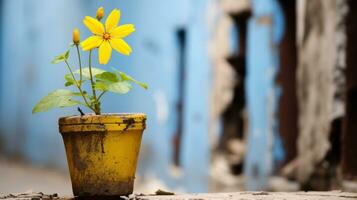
[(233, 117), (181, 36)]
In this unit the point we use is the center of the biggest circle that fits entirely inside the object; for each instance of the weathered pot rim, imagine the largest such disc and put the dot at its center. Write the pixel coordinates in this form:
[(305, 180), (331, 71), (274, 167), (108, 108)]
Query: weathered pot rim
[(103, 122), (106, 118)]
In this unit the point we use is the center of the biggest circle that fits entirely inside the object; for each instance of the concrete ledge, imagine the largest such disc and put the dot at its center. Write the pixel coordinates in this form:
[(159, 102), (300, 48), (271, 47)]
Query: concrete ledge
[(331, 195)]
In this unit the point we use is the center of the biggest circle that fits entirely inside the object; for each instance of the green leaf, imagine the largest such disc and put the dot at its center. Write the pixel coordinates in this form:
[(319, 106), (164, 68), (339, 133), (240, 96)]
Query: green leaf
[(126, 77), (86, 73), (109, 81), (101, 86), (66, 55), (69, 80), (121, 87), (107, 76), (56, 99), (61, 58)]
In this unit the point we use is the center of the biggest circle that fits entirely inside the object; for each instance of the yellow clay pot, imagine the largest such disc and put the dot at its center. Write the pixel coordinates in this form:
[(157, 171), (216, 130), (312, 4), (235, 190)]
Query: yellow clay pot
[(102, 152)]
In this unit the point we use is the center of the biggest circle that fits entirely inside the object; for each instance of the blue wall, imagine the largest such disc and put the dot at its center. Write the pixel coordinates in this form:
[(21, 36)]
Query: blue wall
[(265, 30), (34, 31), (37, 30)]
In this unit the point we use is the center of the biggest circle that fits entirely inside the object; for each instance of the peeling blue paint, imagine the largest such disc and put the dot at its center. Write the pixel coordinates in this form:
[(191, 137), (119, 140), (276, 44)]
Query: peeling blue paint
[(265, 30)]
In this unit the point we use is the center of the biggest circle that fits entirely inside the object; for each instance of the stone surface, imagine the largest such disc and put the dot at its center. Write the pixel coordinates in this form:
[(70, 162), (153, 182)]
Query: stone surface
[(30, 196), (332, 195)]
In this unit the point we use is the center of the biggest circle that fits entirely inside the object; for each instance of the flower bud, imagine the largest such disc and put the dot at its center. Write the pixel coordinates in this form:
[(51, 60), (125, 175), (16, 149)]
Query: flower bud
[(76, 37), (100, 13)]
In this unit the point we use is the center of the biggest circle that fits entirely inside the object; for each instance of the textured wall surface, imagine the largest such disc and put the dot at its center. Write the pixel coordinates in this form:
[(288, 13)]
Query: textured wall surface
[(320, 78)]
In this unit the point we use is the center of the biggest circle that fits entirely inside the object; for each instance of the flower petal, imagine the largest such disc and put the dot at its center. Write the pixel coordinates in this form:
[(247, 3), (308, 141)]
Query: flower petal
[(93, 25), (105, 52), (112, 20), (121, 46), (123, 30), (91, 42)]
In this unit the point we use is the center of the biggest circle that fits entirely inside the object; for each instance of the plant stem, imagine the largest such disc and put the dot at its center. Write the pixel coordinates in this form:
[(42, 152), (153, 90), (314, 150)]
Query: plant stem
[(96, 103), (100, 96), (79, 87), (80, 65)]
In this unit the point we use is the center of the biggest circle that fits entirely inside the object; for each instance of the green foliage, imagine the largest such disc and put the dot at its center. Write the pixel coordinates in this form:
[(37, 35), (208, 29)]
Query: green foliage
[(121, 87), (107, 76), (104, 81), (69, 80), (126, 77), (56, 99), (108, 81), (61, 58), (85, 76), (86, 72)]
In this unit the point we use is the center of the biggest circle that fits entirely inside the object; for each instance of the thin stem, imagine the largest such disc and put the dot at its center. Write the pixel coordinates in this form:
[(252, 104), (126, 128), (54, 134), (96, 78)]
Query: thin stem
[(96, 103), (78, 86), (100, 96), (80, 65)]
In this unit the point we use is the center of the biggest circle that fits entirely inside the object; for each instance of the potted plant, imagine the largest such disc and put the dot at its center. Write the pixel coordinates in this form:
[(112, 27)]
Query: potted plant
[(102, 149)]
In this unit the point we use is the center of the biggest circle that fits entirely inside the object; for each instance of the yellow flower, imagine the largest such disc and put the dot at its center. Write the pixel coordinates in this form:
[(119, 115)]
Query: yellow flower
[(76, 37), (100, 13), (108, 37)]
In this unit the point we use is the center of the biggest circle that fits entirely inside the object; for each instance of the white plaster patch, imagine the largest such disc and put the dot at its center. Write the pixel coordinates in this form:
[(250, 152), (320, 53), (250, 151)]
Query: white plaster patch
[(162, 107), (234, 6)]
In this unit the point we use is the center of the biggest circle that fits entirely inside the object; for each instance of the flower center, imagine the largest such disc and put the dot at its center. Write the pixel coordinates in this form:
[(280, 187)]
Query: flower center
[(106, 36)]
